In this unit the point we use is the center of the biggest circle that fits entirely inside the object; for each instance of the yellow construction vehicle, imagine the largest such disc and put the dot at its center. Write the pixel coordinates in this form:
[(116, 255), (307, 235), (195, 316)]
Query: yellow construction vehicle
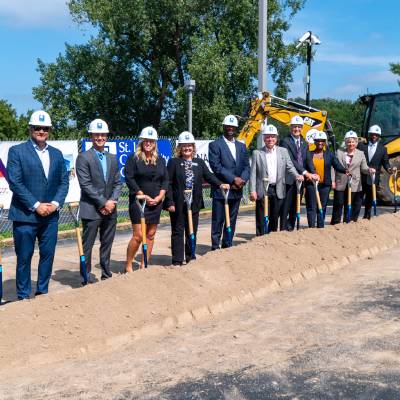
[(267, 105), (383, 109)]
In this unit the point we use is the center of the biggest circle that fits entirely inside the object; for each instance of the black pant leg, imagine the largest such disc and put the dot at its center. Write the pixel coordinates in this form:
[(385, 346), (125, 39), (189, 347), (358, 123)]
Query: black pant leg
[(311, 205), (259, 213), (90, 228), (275, 208), (367, 191), (217, 222), (177, 236), (195, 220), (356, 205), (234, 205), (107, 233), (338, 203), (324, 191), (287, 223)]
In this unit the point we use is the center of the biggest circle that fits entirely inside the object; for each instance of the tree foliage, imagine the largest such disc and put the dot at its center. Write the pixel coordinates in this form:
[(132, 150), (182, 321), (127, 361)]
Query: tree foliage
[(133, 72), (395, 69), (12, 127)]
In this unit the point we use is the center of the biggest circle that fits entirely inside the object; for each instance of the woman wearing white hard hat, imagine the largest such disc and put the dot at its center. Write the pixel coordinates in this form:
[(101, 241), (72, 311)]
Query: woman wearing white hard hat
[(186, 172), (323, 160), (145, 174), (355, 163)]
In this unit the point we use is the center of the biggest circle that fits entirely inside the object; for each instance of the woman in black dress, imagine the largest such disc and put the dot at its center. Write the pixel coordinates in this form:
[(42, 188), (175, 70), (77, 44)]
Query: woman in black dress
[(145, 174), (185, 172)]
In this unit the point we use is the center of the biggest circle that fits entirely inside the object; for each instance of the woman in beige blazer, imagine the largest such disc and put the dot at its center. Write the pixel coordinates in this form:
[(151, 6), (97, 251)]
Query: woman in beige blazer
[(355, 163)]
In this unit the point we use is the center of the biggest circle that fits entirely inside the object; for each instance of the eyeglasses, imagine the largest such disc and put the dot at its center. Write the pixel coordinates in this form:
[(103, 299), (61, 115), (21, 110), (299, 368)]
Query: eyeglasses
[(41, 128)]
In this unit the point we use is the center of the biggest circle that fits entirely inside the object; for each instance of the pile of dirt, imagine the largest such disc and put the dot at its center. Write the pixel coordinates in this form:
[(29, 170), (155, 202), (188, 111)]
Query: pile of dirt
[(76, 323)]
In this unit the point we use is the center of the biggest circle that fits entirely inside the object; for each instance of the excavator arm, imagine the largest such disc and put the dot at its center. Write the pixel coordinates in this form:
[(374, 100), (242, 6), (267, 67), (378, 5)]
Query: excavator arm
[(267, 105)]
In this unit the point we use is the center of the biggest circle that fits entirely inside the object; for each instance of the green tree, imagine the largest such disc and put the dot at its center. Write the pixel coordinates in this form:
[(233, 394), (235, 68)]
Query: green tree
[(132, 73), (395, 69), (8, 121)]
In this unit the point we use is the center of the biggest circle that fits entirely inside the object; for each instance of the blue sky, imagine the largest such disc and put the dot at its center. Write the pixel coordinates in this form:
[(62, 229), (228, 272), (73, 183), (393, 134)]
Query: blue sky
[(359, 39)]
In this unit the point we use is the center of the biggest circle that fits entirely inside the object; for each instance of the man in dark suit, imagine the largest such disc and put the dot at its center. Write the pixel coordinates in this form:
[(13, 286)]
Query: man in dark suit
[(299, 154), (229, 161), (377, 157), (100, 182), (38, 178)]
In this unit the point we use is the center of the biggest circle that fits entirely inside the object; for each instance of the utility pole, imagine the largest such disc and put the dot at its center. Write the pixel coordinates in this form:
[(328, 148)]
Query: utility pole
[(190, 86), (262, 44)]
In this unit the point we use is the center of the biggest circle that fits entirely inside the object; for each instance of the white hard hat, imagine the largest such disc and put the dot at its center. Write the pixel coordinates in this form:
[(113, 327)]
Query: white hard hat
[(310, 135), (375, 129), (270, 130), (350, 135), (40, 118), (148, 133), (319, 135), (230, 120), (98, 126), (185, 137), (297, 120)]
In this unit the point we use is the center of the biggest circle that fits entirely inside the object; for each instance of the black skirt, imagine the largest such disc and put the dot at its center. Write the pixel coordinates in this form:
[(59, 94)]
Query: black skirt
[(151, 214)]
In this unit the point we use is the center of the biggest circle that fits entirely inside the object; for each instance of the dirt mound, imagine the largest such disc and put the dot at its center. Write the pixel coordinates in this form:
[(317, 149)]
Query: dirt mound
[(105, 316)]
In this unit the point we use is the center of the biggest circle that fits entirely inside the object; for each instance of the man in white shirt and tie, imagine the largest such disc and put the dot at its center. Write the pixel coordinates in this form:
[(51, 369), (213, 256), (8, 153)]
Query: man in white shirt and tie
[(272, 162), (377, 157)]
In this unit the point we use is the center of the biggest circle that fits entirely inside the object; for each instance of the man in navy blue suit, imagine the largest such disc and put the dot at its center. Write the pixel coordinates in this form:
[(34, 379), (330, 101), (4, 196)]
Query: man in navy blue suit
[(39, 181), (229, 161)]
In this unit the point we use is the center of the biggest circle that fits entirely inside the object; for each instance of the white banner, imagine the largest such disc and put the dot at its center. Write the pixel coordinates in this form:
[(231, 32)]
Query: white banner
[(69, 148)]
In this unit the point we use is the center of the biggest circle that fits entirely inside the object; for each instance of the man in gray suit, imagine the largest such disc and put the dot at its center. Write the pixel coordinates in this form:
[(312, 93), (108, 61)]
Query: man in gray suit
[(100, 182), (272, 162)]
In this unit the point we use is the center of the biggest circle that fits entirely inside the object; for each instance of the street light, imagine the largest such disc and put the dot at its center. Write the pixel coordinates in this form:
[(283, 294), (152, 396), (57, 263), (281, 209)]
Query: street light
[(309, 39), (190, 86)]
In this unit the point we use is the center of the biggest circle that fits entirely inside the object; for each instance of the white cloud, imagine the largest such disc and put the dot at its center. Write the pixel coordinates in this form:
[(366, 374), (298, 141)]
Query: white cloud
[(30, 13), (350, 59)]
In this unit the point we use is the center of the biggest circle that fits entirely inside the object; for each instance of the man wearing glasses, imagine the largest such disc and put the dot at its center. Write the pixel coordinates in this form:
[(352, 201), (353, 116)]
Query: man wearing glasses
[(38, 178), (100, 182)]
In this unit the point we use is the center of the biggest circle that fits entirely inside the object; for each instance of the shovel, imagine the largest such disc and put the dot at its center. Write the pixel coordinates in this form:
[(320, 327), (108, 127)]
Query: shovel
[(225, 193), (266, 217), (1, 262), (319, 205), (298, 201), (82, 259), (395, 188), (373, 193), (188, 193), (348, 219), (141, 203)]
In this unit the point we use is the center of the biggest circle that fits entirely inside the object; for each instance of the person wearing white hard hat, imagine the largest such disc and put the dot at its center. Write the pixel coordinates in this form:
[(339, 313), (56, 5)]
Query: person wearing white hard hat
[(186, 172), (100, 182), (324, 160), (355, 163), (145, 174), (39, 180), (272, 162), (229, 161), (301, 158), (377, 157)]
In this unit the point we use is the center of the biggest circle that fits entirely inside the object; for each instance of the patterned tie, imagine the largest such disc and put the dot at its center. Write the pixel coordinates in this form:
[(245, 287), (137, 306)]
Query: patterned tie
[(299, 156)]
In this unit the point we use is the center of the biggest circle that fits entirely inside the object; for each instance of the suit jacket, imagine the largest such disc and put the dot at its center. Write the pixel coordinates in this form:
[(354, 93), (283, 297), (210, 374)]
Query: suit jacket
[(357, 167), (177, 183), (226, 168), (29, 184), (95, 190), (379, 160), (330, 161), (307, 165), (259, 171)]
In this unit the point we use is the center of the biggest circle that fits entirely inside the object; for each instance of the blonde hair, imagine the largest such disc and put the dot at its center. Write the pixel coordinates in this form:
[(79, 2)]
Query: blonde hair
[(178, 150), (140, 154)]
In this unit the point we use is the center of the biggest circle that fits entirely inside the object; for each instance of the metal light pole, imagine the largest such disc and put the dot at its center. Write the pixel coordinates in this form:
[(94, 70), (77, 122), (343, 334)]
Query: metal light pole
[(190, 86), (309, 39), (262, 44)]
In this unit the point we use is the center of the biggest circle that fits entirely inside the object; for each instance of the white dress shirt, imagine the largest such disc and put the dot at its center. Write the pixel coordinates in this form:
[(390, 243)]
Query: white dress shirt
[(232, 147), (371, 150), (272, 164)]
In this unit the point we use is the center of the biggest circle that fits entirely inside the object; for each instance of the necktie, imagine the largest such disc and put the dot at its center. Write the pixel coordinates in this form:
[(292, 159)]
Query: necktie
[(370, 151), (299, 156)]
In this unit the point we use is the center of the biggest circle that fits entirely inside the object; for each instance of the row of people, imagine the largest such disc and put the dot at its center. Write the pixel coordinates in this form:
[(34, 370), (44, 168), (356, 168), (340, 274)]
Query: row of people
[(39, 181)]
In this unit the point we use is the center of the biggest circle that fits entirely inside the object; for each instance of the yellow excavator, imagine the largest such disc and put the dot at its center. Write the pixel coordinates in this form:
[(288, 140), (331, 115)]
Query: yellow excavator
[(381, 109)]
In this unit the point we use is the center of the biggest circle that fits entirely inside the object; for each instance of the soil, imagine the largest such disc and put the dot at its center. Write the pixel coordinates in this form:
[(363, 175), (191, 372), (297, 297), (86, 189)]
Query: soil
[(74, 324)]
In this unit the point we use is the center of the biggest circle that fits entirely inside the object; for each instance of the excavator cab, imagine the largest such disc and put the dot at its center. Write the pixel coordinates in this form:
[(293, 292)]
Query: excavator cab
[(383, 109)]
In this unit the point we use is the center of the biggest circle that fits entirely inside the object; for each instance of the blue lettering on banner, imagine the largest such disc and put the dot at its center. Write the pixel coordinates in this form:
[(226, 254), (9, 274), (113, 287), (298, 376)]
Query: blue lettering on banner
[(123, 149)]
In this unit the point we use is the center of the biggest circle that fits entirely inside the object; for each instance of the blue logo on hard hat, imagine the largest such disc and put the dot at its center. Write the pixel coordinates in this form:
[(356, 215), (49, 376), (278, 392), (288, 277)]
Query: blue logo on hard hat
[(187, 137), (99, 125), (41, 117), (150, 132), (230, 119)]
